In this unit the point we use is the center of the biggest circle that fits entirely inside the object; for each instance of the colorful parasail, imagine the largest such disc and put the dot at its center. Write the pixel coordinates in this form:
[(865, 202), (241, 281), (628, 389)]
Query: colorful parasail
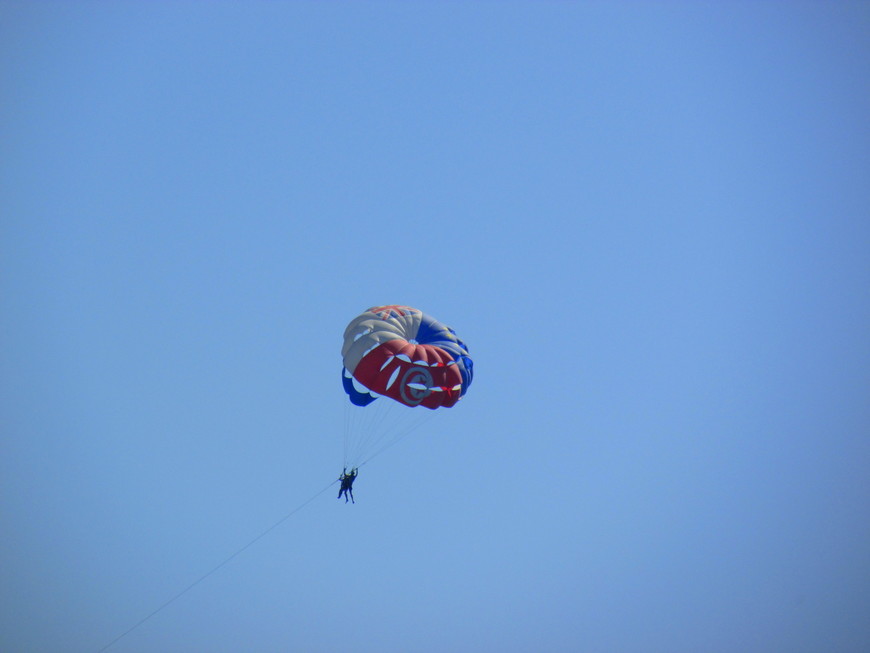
[(402, 353)]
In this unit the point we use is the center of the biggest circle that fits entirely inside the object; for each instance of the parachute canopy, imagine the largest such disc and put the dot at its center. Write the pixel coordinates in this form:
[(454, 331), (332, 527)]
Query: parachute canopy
[(401, 353)]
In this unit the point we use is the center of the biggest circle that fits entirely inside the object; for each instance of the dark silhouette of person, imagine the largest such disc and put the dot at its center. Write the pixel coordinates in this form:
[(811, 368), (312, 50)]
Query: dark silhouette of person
[(347, 479)]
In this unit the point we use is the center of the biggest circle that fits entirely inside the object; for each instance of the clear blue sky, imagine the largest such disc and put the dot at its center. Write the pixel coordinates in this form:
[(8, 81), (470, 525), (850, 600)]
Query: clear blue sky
[(649, 221)]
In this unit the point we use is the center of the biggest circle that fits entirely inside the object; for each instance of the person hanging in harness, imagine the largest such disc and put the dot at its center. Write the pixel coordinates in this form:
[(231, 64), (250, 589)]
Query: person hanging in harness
[(347, 484)]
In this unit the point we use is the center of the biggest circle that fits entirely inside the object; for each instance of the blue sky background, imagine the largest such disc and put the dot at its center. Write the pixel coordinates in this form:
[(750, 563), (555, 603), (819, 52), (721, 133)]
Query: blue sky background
[(649, 221)]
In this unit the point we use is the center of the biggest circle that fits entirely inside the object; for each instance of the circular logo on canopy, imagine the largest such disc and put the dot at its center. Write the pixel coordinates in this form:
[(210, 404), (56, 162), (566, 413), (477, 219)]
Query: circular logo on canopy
[(416, 385)]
